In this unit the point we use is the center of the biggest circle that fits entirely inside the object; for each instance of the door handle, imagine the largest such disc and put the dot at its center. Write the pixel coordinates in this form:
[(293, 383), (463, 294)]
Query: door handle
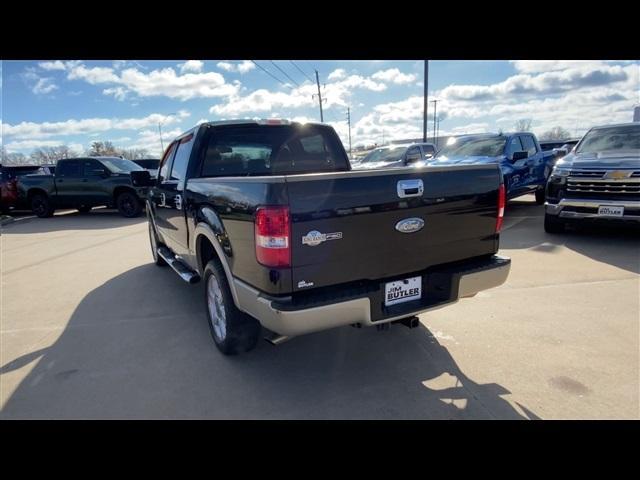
[(85, 180), (60, 181), (410, 188)]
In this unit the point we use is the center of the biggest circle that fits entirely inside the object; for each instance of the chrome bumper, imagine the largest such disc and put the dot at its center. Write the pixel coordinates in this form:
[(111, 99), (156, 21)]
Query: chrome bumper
[(559, 208), (299, 322)]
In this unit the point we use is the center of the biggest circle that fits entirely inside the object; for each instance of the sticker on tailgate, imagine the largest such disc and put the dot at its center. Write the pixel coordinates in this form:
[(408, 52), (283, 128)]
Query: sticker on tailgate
[(314, 237)]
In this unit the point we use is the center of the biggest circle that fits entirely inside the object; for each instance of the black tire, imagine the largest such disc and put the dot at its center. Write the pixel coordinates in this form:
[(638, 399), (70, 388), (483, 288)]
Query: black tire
[(128, 204), (552, 224), (241, 331), (84, 209), (41, 205), (155, 243), (540, 196)]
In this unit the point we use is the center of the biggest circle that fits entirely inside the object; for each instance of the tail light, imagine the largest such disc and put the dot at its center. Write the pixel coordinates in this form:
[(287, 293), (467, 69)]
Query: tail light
[(502, 200), (273, 231)]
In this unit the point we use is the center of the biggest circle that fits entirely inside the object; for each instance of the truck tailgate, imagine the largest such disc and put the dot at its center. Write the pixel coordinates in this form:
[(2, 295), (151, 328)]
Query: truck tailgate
[(344, 224)]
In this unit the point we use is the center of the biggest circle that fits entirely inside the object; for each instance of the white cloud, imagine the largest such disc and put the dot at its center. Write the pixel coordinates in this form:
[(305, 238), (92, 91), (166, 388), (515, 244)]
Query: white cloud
[(161, 82), (394, 75), (55, 65), (87, 126), (44, 86), (538, 66), (262, 100), (30, 144), (243, 67), (337, 74), (194, 66)]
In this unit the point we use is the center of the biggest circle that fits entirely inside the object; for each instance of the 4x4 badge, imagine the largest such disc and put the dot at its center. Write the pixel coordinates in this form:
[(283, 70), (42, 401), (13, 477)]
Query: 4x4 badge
[(314, 237)]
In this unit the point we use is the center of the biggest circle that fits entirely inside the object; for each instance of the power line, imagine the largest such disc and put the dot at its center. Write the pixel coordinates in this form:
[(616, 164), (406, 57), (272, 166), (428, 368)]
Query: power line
[(301, 71), (284, 73), (268, 72)]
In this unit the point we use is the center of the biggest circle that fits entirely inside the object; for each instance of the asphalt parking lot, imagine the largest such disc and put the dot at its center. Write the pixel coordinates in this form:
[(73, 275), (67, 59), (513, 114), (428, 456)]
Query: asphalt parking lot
[(92, 329)]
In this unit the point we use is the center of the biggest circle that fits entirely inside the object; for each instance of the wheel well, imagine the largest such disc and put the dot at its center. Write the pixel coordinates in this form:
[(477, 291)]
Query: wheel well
[(35, 191), (118, 190), (205, 251)]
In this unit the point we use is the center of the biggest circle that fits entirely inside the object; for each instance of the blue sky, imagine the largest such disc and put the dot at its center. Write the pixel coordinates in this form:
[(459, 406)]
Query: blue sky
[(48, 103)]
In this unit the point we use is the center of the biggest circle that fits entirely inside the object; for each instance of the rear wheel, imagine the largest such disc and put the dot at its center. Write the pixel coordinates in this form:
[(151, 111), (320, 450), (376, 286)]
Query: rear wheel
[(84, 209), (128, 204), (540, 196), (552, 224), (41, 205), (233, 331)]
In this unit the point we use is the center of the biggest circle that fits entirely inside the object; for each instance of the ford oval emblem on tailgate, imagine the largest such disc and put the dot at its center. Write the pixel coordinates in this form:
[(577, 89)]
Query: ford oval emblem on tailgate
[(410, 225)]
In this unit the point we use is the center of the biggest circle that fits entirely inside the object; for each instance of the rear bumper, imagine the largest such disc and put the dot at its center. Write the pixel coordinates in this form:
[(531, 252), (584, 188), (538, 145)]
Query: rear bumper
[(441, 287), (585, 208)]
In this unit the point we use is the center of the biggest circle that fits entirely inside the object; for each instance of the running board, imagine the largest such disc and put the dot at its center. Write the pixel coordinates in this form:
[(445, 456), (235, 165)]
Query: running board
[(180, 268)]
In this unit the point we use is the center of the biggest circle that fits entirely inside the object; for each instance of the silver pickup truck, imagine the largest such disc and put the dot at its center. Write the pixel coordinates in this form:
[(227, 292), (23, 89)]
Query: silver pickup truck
[(598, 181)]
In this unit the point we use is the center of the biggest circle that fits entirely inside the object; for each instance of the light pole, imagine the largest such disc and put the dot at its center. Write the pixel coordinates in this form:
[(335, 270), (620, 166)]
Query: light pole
[(160, 132)]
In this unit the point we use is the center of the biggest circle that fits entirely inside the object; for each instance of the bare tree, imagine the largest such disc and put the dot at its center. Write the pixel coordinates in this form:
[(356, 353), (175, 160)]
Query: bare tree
[(12, 158), (556, 133), (134, 153), (105, 148), (523, 125), (52, 154)]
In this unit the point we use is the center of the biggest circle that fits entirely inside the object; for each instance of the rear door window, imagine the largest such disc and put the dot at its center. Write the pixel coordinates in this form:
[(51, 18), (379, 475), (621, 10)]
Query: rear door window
[(245, 150), (70, 169)]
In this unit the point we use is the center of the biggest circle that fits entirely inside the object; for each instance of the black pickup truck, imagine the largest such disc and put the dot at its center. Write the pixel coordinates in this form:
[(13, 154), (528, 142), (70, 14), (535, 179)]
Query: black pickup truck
[(84, 183), (285, 235)]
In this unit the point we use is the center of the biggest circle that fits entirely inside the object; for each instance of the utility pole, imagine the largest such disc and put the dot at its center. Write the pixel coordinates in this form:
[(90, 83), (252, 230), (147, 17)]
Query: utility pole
[(435, 109), (349, 122), (425, 98), (437, 131), (319, 96), (161, 144)]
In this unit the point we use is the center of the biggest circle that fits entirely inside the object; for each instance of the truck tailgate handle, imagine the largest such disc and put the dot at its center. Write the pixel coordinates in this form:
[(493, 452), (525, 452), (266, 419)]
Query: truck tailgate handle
[(410, 188)]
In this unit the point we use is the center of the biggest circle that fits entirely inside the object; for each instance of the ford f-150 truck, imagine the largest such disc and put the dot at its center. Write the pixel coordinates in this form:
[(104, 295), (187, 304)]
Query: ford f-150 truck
[(84, 183), (285, 235), (525, 167), (598, 181)]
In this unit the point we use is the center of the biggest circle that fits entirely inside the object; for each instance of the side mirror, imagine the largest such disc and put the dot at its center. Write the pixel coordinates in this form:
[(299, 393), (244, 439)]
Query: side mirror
[(519, 156), (142, 178)]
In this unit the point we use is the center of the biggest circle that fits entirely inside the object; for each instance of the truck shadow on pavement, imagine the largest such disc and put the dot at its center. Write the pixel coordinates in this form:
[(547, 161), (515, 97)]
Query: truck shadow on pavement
[(616, 245), (138, 346), (98, 218)]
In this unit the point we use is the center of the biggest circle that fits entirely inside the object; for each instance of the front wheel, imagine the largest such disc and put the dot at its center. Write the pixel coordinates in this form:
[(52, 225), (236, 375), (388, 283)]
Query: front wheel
[(233, 331), (540, 196), (41, 206), (128, 204), (552, 224)]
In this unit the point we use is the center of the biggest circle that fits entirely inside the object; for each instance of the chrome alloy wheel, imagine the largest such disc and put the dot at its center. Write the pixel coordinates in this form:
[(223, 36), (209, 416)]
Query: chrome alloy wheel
[(217, 313)]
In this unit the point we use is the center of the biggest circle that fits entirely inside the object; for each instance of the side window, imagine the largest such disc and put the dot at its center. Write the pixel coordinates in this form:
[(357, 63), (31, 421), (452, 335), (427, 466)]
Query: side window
[(166, 162), (92, 168), (529, 145), (70, 169), (514, 146), (181, 160), (313, 144)]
